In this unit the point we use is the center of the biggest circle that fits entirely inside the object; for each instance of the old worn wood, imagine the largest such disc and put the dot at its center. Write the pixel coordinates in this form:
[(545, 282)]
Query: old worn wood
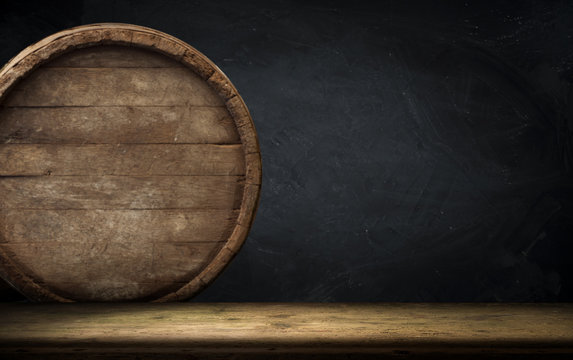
[(112, 56), (287, 331), (120, 159), (129, 167), (113, 125), (143, 226), (121, 192), (112, 87)]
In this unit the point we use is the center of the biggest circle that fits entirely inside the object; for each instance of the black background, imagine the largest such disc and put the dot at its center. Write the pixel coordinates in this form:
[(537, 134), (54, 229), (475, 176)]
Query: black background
[(412, 150)]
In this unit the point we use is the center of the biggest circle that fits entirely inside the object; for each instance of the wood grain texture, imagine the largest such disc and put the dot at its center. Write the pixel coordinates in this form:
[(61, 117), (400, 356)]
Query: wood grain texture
[(142, 226), (129, 167), (121, 159), (112, 125), (121, 192), (113, 56), (300, 331), (112, 87), (111, 270)]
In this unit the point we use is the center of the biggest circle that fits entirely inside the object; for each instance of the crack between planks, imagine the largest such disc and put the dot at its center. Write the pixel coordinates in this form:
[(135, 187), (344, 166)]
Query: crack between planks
[(50, 174), (234, 208), (117, 144), (110, 106)]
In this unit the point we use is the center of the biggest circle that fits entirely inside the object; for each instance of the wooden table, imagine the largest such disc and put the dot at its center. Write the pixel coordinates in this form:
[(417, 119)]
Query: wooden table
[(285, 331)]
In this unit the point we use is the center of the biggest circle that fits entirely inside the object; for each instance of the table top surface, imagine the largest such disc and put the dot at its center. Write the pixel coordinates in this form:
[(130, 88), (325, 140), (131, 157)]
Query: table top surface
[(302, 326)]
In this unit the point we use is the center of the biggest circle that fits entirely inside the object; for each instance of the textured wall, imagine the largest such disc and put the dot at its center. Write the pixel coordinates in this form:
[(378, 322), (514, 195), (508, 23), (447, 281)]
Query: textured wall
[(411, 151)]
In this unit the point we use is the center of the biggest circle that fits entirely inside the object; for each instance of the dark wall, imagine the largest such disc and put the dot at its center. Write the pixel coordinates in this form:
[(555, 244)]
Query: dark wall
[(412, 150)]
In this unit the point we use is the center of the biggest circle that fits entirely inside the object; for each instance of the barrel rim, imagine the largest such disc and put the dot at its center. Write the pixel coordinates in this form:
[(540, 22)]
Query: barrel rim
[(142, 37)]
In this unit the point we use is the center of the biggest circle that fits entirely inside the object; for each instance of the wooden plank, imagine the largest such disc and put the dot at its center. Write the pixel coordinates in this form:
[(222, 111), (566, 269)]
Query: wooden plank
[(179, 262), (120, 192), (112, 125), (138, 160), (110, 270), (113, 87), (110, 261), (110, 56), (140, 226), (57, 262), (288, 331), (116, 291)]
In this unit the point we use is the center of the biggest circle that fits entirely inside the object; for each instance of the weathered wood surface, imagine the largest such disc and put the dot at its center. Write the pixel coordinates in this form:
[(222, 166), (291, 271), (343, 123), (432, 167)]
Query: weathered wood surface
[(126, 172), (112, 125), (120, 159), (267, 330), (142, 226), (112, 87), (121, 192), (113, 56), (140, 268)]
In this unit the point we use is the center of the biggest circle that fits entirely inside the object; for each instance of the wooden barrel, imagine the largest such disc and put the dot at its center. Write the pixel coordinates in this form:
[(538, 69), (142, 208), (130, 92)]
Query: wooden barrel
[(129, 167)]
